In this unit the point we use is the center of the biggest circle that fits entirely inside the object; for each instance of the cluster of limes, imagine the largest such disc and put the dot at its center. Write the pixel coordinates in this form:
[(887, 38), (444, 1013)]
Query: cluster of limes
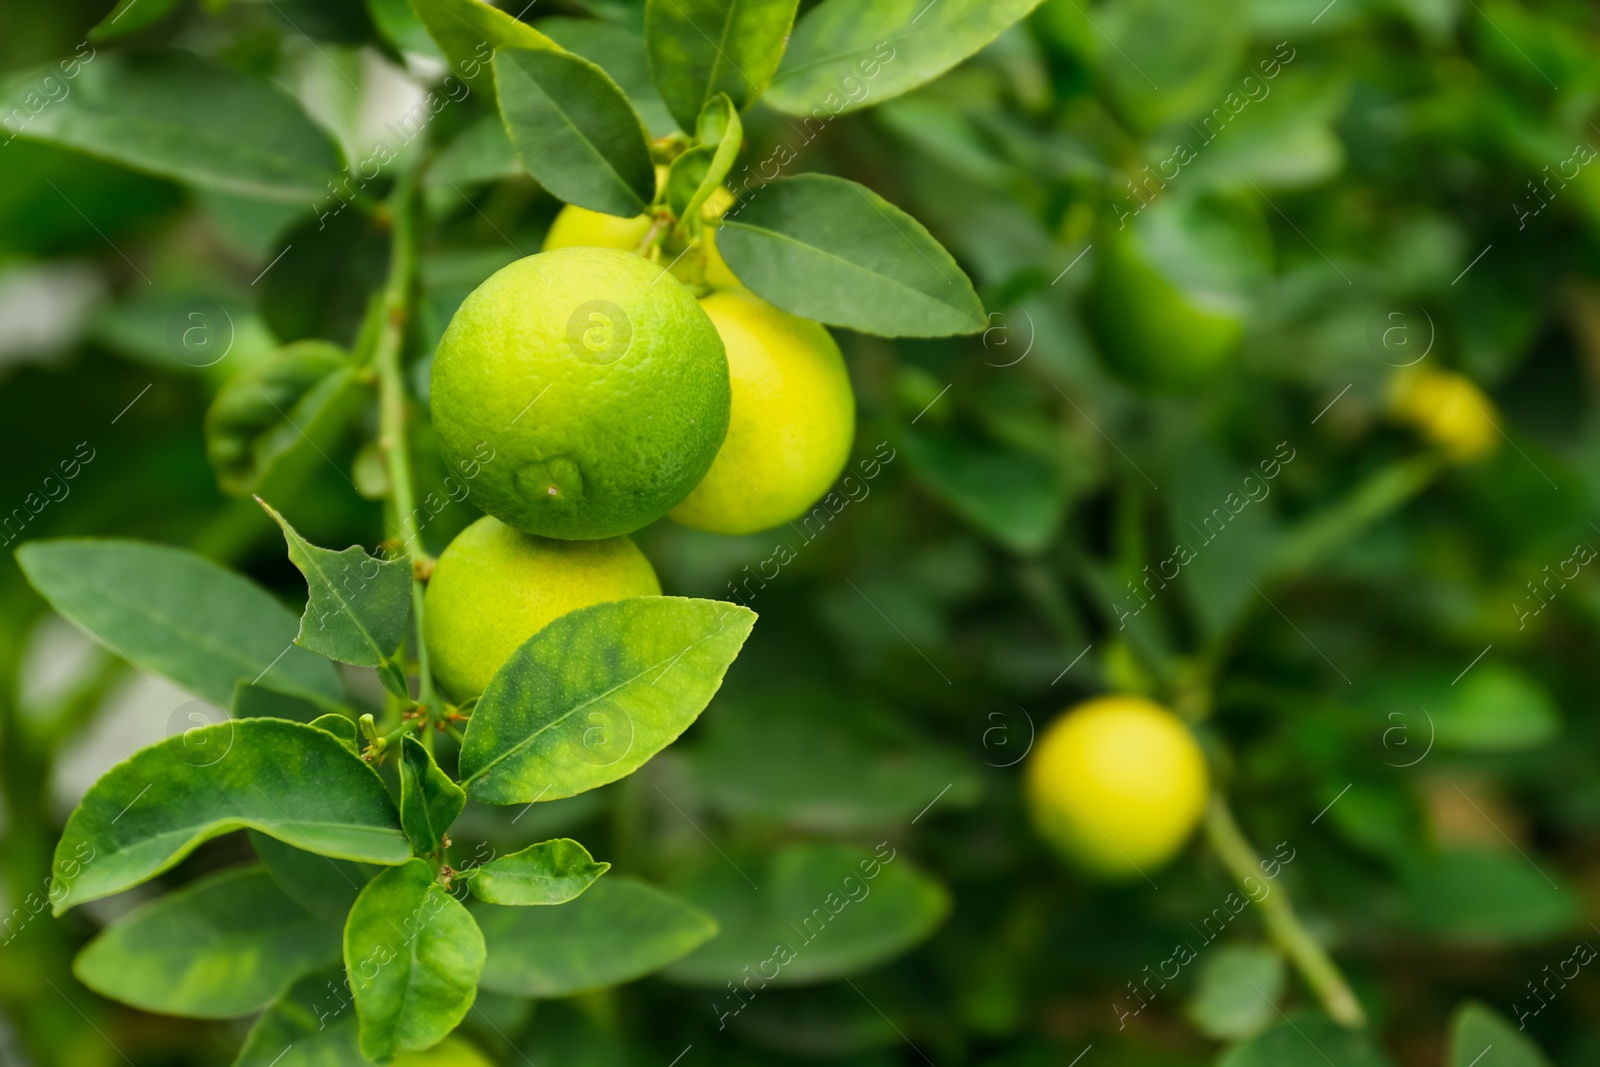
[(613, 394)]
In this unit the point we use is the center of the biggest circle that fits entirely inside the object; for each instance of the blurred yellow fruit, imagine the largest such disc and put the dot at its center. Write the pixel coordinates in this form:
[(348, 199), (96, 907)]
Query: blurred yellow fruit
[(1446, 408), (451, 1052), (1117, 783), (576, 227), (493, 588), (790, 425), (718, 276)]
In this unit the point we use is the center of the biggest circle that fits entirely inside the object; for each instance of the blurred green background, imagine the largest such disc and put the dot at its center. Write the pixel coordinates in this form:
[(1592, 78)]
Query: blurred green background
[(1210, 233)]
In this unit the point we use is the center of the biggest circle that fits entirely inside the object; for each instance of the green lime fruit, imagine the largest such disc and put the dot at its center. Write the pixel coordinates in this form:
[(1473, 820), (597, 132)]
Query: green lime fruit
[(791, 425), (595, 382), (1168, 301), (578, 227), (451, 1052), (494, 587), (1117, 785)]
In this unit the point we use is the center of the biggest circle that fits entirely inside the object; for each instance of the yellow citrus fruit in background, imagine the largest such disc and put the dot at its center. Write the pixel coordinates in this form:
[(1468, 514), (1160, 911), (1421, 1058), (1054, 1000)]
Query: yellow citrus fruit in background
[(576, 227), (718, 276), (791, 424), (1446, 408), (1117, 783), (451, 1052), (597, 382), (493, 588)]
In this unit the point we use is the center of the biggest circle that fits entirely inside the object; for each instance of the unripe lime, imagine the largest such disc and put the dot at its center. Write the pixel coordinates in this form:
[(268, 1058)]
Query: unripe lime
[(791, 424), (1117, 784), (451, 1052), (578, 227), (493, 588), (598, 383), (1446, 408)]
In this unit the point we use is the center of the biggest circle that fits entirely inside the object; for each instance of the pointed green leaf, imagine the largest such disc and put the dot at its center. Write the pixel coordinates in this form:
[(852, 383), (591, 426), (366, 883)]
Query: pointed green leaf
[(429, 800), (469, 31), (620, 53), (575, 130), (172, 612), (619, 930), (286, 779), (828, 249), (313, 1024), (223, 946), (178, 116), (685, 177), (1482, 1037), (592, 696), (700, 171), (700, 48), (124, 19), (320, 884), (413, 955), (552, 872), (822, 911), (358, 605), (846, 55)]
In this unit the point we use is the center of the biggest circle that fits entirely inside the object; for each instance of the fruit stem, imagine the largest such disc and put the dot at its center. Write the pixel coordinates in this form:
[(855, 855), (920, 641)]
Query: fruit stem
[(1283, 925), (396, 307)]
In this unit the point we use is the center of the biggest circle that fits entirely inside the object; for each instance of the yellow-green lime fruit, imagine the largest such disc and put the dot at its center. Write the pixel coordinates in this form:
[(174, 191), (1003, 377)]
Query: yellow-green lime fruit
[(597, 382), (451, 1052), (792, 422), (1117, 784), (493, 588), (1448, 409), (578, 227)]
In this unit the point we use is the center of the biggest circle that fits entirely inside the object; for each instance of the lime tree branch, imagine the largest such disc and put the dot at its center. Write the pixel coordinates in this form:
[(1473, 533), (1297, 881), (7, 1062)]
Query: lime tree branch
[(394, 313), (1283, 925)]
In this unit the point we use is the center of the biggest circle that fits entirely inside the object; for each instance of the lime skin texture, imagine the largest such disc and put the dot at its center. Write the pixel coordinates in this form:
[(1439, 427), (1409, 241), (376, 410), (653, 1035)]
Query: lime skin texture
[(599, 383), (495, 587), (1117, 784), (792, 423)]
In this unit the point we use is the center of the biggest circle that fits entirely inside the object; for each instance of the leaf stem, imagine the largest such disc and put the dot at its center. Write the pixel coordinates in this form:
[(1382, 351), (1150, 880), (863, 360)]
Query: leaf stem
[(1283, 925), (395, 312)]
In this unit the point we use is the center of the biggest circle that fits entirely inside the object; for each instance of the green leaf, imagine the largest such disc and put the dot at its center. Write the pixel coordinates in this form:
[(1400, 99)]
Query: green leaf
[(469, 32), (1015, 497), (262, 702), (846, 54), (575, 130), (341, 726), (358, 605), (278, 418), (592, 696), (320, 884), (130, 16), (1306, 1041), (429, 800), (828, 249), (413, 954), (822, 911), (1482, 1037), (1495, 708), (701, 48), (288, 780), (552, 872), (179, 615), (690, 185), (619, 930), (223, 946), (313, 1024), (1238, 990), (1483, 898), (176, 115), (620, 53)]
